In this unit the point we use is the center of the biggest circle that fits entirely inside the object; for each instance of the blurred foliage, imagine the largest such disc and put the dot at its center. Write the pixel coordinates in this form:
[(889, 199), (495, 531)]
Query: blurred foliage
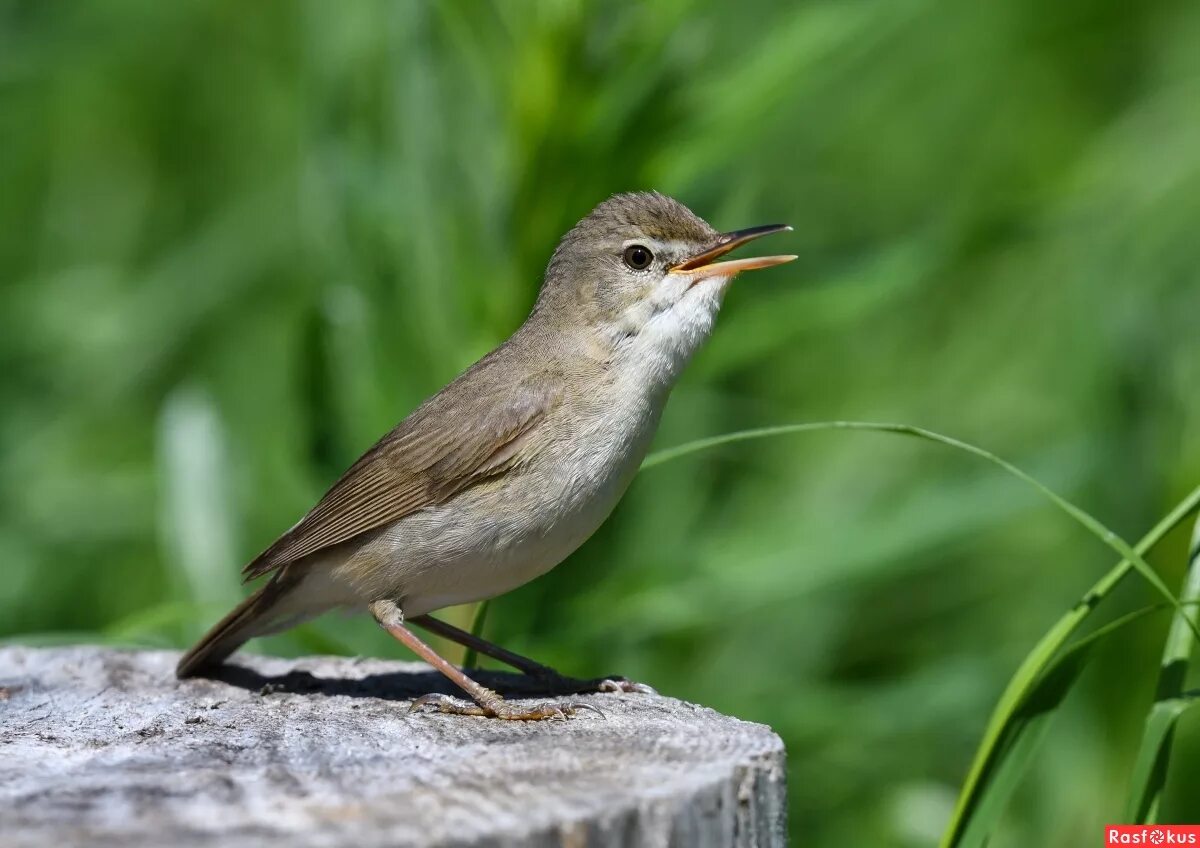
[(239, 241)]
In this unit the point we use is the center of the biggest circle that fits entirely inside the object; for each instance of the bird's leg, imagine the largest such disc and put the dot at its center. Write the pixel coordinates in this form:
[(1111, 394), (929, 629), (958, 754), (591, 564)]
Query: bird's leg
[(487, 703), (488, 649), (557, 683)]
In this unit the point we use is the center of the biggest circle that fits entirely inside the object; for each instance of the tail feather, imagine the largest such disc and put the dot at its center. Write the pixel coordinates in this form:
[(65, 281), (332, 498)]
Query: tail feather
[(248, 619)]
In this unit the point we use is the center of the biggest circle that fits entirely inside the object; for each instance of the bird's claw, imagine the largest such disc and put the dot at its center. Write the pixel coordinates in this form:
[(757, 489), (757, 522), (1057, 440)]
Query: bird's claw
[(502, 709), (445, 704), (582, 706), (623, 685), (562, 685)]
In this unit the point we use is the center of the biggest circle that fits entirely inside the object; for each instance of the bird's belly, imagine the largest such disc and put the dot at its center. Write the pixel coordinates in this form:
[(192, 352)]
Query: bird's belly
[(494, 537), (493, 559)]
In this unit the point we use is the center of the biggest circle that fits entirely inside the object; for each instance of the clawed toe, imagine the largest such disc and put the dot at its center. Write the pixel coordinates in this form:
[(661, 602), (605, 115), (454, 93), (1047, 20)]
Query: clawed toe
[(550, 711), (582, 706), (446, 704), (562, 685), (502, 709), (621, 685)]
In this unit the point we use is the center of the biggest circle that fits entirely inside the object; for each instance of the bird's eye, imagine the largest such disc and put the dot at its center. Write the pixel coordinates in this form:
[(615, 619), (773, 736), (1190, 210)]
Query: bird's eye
[(637, 257)]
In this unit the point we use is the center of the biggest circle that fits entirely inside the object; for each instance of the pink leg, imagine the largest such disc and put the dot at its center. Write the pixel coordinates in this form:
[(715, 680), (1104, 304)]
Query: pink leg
[(487, 703)]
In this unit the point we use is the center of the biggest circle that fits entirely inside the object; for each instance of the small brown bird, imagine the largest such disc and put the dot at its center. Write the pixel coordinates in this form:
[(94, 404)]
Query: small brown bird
[(502, 474)]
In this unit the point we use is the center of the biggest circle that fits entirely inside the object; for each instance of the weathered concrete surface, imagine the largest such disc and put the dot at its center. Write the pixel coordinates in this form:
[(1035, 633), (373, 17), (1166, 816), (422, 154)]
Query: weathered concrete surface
[(103, 747)]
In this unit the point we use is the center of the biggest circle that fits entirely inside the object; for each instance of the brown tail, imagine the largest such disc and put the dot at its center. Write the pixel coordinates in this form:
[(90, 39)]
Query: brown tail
[(247, 620)]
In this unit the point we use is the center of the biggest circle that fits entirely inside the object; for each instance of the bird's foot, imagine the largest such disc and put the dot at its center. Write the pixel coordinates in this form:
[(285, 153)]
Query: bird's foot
[(616, 683), (502, 709), (562, 685)]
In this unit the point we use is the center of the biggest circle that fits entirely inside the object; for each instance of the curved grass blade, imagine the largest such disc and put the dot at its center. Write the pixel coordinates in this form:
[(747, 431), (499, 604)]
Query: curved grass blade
[(1150, 771), (1093, 526), (1029, 721), (471, 658), (988, 753), (1170, 702)]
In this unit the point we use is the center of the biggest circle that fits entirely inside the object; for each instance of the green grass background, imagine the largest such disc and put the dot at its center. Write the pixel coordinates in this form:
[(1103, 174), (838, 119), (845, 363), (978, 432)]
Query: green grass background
[(239, 241)]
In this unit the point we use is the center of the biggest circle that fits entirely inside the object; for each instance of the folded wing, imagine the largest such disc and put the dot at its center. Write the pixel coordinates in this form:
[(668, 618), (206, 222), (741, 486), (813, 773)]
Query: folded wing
[(454, 440)]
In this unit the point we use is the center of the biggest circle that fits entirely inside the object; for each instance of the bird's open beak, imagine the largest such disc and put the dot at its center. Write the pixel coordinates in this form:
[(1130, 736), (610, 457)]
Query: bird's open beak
[(703, 264)]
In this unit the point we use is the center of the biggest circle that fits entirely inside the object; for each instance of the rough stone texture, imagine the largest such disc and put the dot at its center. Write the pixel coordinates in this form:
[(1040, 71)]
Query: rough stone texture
[(103, 747)]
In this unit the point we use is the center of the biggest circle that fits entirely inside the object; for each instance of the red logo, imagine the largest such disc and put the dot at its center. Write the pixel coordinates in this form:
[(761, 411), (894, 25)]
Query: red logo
[(1151, 834)]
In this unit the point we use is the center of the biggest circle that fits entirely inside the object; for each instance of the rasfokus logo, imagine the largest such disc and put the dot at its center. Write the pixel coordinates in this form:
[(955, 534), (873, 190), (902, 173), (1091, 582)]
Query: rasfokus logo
[(1151, 834)]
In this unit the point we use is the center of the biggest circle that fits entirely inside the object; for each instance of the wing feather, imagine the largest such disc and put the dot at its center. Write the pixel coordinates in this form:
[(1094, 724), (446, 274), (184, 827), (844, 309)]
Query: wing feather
[(451, 442)]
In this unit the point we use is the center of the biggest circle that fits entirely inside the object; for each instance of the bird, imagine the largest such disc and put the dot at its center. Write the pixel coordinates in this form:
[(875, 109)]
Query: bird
[(502, 474)]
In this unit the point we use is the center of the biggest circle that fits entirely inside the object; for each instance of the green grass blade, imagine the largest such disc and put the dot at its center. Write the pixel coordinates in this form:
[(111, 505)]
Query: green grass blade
[(471, 658), (1021, 685), (1150, 770), (1170, 702), (1093, 526), (1028, 723), (1024, 678)]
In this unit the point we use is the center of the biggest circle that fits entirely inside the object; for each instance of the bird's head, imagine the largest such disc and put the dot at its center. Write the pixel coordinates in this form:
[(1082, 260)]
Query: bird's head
[(644, 274)]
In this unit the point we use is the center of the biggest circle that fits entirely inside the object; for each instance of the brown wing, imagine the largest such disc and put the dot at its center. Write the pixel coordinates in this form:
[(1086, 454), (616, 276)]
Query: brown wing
[(453, 440)]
